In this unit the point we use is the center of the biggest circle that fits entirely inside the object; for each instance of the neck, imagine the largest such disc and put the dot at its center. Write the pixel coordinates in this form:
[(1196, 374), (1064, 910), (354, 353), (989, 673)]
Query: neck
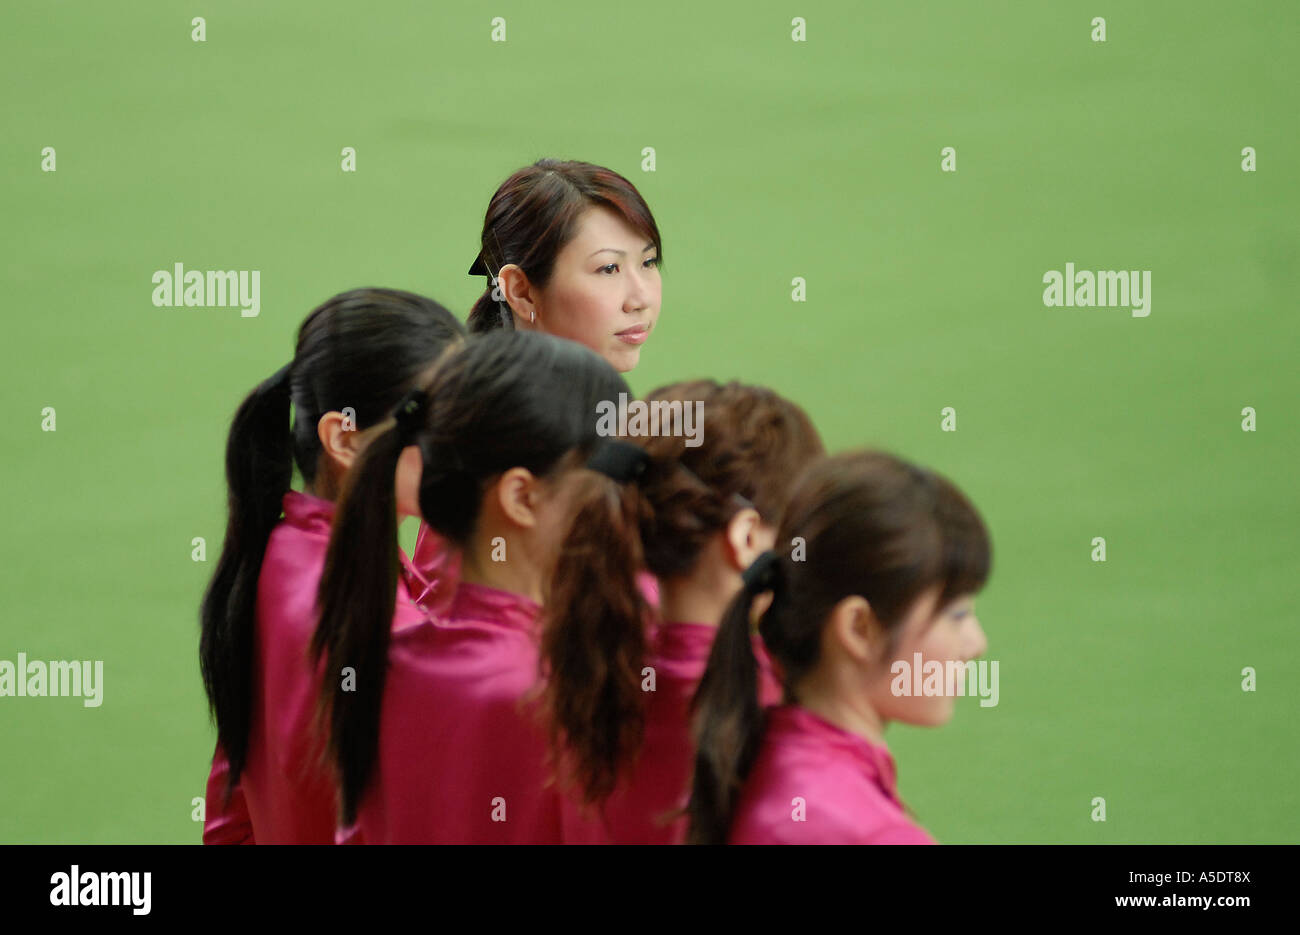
[(684, 603), (516, 576), (853, 714), (702, 594), (324, 487)]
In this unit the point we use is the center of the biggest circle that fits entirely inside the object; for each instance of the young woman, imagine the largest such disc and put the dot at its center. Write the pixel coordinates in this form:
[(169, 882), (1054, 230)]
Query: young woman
[(356, 356), (569, 249), (879, 561), (706, 512), (434, 729)]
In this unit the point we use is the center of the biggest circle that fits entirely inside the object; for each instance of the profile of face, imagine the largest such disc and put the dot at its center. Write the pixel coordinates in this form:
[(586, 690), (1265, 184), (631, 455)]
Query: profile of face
[(941, 635), (604, 290)]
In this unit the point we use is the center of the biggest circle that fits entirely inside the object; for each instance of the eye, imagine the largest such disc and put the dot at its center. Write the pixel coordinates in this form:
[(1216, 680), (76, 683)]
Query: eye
[(613, 266), (653, 261)]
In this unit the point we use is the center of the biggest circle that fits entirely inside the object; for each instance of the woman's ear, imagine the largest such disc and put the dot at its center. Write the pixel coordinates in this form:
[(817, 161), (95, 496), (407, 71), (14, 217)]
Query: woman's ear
[(516, 497), (519, 295), (746, 537), (856, 630), (338, 438)]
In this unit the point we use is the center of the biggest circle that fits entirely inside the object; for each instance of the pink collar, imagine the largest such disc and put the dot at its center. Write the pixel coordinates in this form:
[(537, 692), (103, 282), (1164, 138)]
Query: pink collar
[(875, 759), (307, 512), (480, 602)]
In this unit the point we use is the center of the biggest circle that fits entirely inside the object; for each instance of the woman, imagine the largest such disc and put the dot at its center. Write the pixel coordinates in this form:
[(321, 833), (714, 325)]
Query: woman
[(434, 729), (569, 249), (703, 513), (356, 356), (878, 567)]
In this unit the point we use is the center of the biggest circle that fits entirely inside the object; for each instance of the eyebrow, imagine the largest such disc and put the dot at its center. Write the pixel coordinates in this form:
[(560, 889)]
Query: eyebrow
[(648, 246)]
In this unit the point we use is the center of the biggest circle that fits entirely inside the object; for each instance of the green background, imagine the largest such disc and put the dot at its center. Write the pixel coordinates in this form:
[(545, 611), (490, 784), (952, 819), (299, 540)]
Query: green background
[(775, 159)]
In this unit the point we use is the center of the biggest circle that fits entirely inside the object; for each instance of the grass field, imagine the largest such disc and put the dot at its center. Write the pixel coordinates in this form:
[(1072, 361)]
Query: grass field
[(775, 159)]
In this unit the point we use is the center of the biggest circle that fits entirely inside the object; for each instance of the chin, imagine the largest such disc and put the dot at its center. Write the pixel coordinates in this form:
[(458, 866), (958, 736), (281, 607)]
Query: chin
[(929, 717), (625, 358)]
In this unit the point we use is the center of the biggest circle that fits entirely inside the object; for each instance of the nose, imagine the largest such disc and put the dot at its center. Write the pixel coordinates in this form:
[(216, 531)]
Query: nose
[(638, 293), (979, 643)]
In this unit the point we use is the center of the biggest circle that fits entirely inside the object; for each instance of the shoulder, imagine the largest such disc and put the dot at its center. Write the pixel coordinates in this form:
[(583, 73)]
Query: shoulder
[(805, 794), (478, 662)]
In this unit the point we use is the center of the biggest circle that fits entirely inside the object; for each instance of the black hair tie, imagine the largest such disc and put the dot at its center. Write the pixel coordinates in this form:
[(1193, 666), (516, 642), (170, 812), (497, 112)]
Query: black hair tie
[(620, 461), (765, 572), (410, 416)]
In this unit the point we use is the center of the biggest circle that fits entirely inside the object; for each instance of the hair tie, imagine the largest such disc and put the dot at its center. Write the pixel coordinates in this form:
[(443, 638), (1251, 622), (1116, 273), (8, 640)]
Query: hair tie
[(619, 460), (410, 416), (765, 572)]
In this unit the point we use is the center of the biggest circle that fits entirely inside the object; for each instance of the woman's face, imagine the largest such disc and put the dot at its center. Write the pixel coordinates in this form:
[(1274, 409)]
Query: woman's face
[(604, 291), (942, 637)]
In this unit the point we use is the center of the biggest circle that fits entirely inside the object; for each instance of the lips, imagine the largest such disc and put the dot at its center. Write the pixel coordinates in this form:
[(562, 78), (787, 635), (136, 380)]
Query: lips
[(634, 335)]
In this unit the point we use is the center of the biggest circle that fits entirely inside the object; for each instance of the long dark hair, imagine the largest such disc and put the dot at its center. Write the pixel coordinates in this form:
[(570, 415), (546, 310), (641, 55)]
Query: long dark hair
[(752, 444), (506, 399), (361, 349), (535, 213), (870, 524)]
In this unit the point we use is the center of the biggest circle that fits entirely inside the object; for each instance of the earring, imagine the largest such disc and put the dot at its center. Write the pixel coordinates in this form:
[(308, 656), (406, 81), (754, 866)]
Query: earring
[(532, 315)]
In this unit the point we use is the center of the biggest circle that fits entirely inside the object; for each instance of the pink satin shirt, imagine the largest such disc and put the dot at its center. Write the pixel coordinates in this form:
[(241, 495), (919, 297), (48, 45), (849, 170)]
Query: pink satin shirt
[(285, 794), (816, 783)]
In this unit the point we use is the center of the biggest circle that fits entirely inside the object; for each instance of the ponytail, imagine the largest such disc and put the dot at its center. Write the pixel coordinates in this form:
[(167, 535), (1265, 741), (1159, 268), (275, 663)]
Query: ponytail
[(489, 314), (359, 350), (259, 468), (728, 716), (594, 640), (356, 601)]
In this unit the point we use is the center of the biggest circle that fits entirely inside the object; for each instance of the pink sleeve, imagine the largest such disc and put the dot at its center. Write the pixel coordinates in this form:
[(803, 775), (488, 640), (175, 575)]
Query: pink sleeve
[(438, 565), (225, 822)]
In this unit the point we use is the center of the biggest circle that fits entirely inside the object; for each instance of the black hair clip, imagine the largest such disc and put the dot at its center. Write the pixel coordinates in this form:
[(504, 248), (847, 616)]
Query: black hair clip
[(480, 268), (764, 573), (410, 415), (619, 460)]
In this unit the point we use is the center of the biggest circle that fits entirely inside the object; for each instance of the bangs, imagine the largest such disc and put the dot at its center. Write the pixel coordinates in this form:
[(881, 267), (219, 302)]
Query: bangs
[(967, 554)]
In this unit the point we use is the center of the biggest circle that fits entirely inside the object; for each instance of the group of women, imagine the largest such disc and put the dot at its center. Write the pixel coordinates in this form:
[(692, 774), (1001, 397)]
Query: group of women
[(596, 639)]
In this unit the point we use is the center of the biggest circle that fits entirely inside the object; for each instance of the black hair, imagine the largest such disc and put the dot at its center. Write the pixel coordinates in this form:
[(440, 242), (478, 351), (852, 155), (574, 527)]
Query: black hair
[(361, 350), (506, 399)]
